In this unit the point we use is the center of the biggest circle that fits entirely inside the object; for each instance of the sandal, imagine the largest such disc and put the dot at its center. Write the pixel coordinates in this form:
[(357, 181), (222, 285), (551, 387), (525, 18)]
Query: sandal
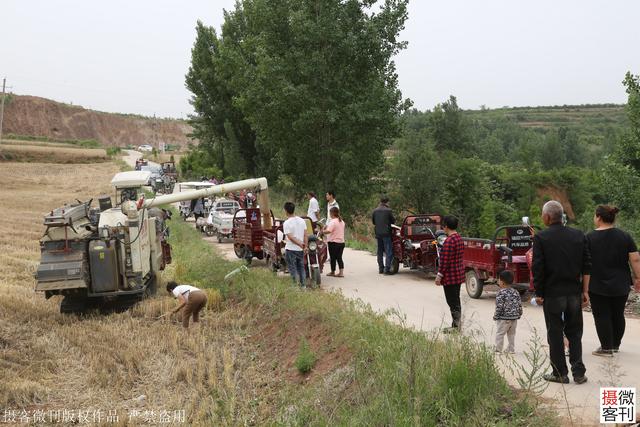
[(332, 274), (339, 275)]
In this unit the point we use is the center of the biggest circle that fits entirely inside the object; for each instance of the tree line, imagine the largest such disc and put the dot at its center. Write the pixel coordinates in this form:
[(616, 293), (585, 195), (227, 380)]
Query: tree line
[(492, 171), (304, 92)]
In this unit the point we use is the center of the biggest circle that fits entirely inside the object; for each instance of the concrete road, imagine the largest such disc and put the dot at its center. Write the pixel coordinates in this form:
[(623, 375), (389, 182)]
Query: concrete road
[(423, 305)]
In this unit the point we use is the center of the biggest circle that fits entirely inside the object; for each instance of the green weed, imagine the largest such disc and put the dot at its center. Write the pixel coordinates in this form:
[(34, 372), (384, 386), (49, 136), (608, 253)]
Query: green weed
[(306, 359)]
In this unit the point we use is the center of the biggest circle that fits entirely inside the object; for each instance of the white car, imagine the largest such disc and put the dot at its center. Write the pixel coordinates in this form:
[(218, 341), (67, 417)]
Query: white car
[(145, 147)]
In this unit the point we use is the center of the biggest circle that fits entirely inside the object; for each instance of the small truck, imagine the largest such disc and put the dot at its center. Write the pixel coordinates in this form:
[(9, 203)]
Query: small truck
[(220, 219), (484, 259)]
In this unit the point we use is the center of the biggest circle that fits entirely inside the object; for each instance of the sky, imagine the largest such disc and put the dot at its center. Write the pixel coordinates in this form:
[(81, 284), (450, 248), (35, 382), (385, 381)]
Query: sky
[(131, 56)]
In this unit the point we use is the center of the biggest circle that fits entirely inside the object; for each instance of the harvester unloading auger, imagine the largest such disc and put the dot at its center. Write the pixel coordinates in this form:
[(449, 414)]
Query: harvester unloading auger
[(97, 256)]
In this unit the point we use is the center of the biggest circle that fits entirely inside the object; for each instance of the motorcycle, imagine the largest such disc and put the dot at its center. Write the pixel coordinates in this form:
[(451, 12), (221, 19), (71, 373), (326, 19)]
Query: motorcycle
[(313, 265), (206, 227), (316, 255)]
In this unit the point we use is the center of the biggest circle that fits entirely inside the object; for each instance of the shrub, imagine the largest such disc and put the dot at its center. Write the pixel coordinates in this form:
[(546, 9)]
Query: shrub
[(112, 151), (306, 359)]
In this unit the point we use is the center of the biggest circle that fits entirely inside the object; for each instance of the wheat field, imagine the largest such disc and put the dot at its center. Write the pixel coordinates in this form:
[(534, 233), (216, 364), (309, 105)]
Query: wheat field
[(131, 365), (50, 153)]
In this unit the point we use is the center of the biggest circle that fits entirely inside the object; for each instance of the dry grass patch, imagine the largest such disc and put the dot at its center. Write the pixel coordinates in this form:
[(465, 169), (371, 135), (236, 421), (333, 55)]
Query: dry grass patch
[(132, 361), (50, 153)]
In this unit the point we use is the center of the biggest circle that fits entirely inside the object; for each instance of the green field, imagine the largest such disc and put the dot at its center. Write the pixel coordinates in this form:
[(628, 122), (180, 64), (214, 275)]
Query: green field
[(584, 119)]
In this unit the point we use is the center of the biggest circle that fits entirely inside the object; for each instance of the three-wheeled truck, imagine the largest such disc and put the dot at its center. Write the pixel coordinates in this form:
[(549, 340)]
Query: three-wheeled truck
[(247, 234), (314, 259), (415, 243), (484, 259)]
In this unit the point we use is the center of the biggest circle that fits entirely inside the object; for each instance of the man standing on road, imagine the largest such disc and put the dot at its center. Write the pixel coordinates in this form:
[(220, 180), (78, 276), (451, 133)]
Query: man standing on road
[(331, 203), (451, 270), (295, 231), (382, 218), (314, 207), (561, 267)]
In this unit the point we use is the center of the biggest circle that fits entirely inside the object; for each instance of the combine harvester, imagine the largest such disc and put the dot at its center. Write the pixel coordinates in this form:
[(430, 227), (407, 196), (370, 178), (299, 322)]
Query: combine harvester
[(102, 256)]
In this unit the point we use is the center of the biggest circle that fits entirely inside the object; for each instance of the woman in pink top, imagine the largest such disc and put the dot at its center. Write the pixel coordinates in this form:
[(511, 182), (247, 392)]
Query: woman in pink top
[(335, 232)]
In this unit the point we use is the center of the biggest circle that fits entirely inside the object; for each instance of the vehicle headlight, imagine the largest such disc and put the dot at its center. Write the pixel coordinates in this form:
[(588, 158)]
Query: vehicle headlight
[(313, 246)]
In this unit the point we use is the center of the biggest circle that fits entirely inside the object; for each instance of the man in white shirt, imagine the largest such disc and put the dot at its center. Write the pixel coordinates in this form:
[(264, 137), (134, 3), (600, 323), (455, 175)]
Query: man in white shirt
[(295, 231), (314, 207), (191, 298), (331, 203)]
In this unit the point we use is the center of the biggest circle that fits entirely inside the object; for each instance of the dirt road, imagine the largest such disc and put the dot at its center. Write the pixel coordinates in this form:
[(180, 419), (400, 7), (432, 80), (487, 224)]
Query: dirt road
[(422, 304), (131, 157)]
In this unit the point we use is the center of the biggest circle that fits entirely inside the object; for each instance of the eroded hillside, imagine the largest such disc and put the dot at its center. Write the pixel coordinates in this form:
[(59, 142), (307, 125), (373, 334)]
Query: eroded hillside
[(40, 117)]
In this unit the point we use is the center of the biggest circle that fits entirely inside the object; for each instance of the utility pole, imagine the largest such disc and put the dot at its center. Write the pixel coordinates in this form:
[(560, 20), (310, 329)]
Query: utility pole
[(4, 85)]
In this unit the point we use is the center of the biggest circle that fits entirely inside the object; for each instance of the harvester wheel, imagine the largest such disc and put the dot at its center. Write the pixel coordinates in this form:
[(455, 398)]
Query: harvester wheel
[(473, 284), (152, 287), (73, 305)]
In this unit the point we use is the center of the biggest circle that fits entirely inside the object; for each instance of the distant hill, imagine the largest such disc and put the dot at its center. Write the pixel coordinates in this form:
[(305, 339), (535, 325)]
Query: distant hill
[(43, 118), (584, 119)]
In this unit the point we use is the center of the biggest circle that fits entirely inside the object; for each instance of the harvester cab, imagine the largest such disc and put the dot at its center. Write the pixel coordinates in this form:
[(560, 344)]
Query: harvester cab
[(113, 255)]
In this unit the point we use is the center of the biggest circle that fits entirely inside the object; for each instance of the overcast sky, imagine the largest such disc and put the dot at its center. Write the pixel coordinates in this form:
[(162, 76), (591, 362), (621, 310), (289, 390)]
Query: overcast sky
[(131, 55)]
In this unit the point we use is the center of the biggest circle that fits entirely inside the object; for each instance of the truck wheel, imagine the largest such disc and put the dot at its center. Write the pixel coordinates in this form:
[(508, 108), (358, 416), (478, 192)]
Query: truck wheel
[(395, 266), (239, 250), (209, 231), (316, 277), (474, 284)]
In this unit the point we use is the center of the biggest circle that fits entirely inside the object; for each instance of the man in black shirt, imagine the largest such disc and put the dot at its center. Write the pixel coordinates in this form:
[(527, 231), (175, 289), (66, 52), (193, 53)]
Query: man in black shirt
[(382, 218), (561, 267)]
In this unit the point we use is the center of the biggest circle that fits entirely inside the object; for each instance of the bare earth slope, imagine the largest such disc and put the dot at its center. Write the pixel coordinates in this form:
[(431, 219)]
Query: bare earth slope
[(40, 117)]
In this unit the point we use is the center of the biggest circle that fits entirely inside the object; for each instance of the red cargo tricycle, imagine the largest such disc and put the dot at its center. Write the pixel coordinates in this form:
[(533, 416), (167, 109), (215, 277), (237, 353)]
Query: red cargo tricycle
[(415, 243), (484, 259), (247, 234)]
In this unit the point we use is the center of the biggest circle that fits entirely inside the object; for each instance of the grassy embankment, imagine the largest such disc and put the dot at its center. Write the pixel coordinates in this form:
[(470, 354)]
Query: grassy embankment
[(374, 372)]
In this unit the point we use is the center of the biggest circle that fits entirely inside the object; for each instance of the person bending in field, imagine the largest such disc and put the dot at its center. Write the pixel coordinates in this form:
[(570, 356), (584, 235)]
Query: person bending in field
[(192, 299)]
